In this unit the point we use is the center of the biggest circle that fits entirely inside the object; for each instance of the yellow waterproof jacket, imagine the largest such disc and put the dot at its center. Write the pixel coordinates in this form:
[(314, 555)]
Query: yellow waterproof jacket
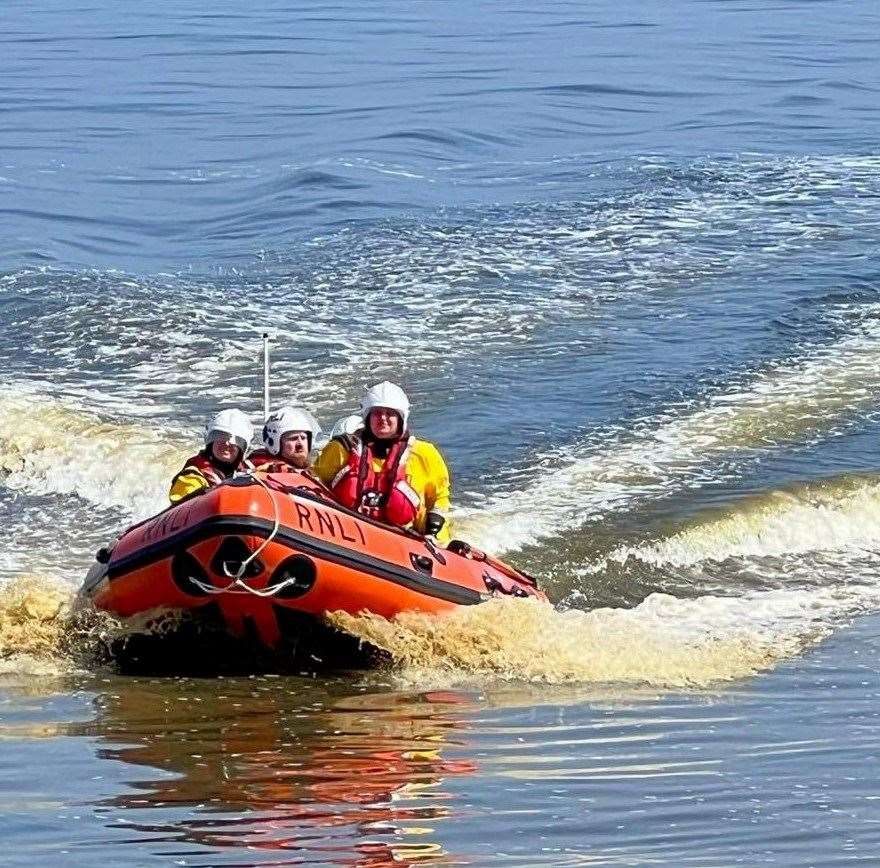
[(198, 473), (187, 483), (425, 470)]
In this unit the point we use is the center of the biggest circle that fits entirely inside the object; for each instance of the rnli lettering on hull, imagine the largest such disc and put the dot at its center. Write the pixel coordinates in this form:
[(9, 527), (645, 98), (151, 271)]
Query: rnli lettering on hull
[(318, 522), (167, 523), (329, 525)]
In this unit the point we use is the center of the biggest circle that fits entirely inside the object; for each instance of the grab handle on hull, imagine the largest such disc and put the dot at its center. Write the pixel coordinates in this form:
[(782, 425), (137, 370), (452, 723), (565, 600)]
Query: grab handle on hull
[(422, 562)]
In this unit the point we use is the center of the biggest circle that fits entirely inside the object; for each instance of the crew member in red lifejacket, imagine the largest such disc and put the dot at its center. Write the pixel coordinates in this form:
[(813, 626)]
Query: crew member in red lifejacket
[(227, 437), (384, 472), (288, 437)]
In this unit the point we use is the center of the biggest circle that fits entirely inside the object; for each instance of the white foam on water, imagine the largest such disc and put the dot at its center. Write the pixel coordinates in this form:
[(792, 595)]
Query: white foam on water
[(794, 401), (395, 298), (834, 515), (49, 446)]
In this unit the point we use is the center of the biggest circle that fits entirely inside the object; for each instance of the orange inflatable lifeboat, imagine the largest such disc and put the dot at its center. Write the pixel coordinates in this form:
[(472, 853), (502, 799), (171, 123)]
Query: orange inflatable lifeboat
[(267, 555)]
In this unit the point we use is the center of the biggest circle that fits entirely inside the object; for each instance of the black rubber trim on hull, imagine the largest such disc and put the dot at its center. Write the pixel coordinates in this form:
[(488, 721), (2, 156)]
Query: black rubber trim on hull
[(326, 551)]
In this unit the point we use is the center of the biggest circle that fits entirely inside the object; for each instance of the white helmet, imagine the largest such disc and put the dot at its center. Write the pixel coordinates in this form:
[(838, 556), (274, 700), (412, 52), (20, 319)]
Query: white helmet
[(288, 419), (233, 423), (347, 425), (386, 395)]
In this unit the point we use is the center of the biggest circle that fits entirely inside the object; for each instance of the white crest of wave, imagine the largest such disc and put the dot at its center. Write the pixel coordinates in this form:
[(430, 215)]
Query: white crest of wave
[(833, 515), (48, 446), (791, 401)]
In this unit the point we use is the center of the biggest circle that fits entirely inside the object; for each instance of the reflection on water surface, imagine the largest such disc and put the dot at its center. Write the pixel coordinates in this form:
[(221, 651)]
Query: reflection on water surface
[(348, 771), (282, 765)]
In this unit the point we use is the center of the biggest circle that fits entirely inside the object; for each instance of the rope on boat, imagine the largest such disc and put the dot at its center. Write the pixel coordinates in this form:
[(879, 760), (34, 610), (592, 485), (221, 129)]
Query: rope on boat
[(236, 577)]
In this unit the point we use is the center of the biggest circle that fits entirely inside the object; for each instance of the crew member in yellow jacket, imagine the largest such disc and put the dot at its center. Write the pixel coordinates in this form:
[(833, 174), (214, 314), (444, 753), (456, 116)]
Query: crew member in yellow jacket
[(384, 472), (227, 438)]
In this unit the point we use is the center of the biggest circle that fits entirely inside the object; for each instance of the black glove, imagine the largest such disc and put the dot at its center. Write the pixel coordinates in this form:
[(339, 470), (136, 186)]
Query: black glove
[(434, 523)]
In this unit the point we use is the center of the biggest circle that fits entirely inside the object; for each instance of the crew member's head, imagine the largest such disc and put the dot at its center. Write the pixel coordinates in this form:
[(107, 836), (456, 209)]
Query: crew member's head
[(227, 437), (385, 411), (289, 434), (347, 426)]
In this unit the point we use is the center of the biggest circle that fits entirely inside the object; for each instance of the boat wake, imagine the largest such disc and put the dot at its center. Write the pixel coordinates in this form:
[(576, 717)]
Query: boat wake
[(755, 584), (837, 515), (663, 642), (797, 401), (51, 446)]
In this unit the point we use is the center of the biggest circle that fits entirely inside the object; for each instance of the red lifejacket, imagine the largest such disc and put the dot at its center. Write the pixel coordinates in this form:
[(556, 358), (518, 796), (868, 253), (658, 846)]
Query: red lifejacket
[(386, 495), (214, 474)]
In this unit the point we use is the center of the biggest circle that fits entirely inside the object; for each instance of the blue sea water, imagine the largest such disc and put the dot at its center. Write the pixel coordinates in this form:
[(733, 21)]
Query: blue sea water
[(623, 256)]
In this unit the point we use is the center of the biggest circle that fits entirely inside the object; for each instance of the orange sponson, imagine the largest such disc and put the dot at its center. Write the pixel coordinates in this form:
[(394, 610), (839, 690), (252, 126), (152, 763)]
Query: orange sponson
[(310, 556)]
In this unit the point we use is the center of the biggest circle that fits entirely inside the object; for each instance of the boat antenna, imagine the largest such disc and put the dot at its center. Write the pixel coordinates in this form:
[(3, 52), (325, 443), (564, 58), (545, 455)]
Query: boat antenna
[(265, 375)]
